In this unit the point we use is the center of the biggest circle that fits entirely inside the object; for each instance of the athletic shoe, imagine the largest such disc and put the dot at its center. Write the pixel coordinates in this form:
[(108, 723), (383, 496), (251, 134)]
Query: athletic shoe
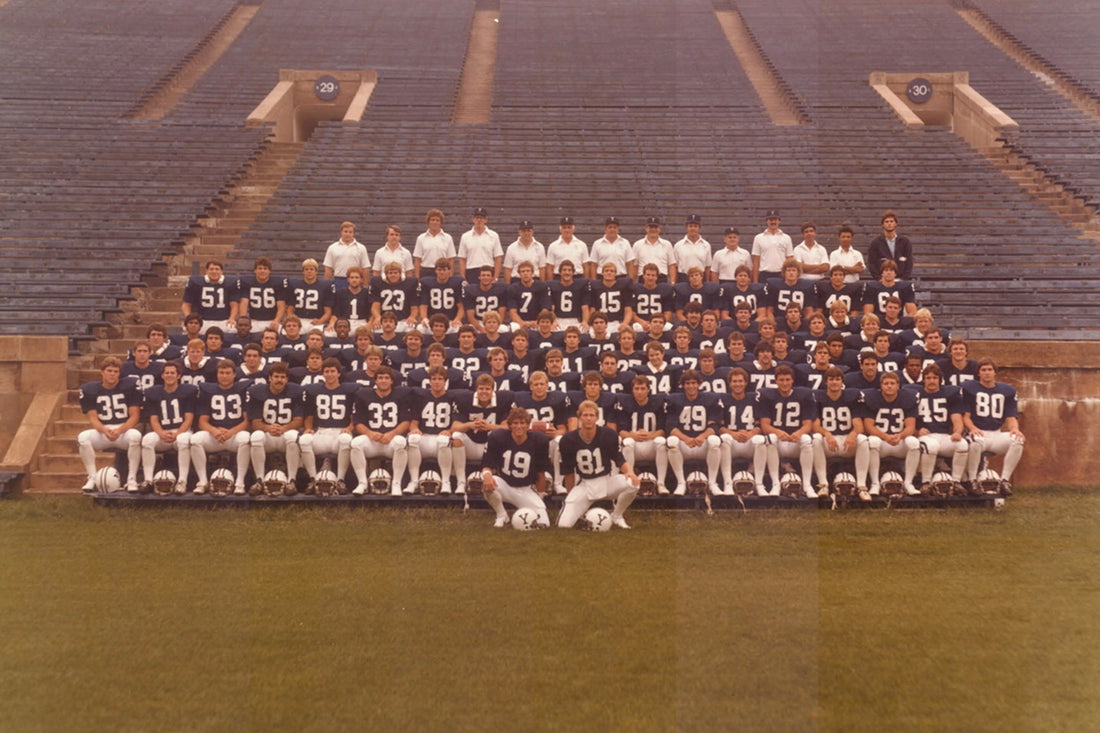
[(360, 490), (395, 490), (810, 493), (619, 522), (680, 490), (912, 490), (662, 489), (501, 521), (132, 486), (715, 490), (1006, 487), (290, 489), (864, 495), (460, 489), (446, 488), (200, 488), (341, 487), (256, 489), (875, 489), (89, 485), (761, 490), (181, 487), (728, 490), (412, 487), (238, 489)]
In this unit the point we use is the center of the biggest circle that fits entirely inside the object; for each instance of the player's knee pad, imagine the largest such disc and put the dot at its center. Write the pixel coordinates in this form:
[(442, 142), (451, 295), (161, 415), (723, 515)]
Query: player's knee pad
[(259, 437), (929, 444), (874, 442), (713, 441), (758, 440), (305, 441), (399, 442), (911, 443), (806, 440), (660, 442), (727, 439), (149, 440), (1016, 439), (85, 437), (673, 443), (628, 443), (344, 440), (443, 441), (414, 440), (359, 442)]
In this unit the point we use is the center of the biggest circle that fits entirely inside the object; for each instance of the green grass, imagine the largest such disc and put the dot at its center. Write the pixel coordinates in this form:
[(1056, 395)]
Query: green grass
[(327, 619)]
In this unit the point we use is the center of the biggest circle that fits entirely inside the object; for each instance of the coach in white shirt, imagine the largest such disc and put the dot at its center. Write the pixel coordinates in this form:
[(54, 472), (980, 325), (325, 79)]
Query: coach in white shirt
[(653, 249), (611, 248), (565, 247), (433, 244), (726, 260), (525, 249), (345, 252), (813, 256), (479, 247), (393, 251), (769, 249), (693, 250)]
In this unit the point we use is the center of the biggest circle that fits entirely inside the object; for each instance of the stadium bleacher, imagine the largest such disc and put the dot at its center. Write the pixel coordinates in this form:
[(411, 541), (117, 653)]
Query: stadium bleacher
[(655, 118)]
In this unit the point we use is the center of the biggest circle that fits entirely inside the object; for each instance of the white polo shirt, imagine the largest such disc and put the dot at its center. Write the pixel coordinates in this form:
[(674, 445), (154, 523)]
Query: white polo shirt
[(340, 257), (818, 255), (619, 252), (851, 258), (692, 254), (772, 249), (384, 256), (479, 249), (576, 251), (659, 253), (726, 261), (430, 248), (516, 253)]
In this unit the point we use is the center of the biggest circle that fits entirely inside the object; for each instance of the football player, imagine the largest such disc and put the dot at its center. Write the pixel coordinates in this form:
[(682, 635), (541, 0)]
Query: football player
[(549, 415), (527, 297), (223, 425), (397, 294), (890, 422), (413, 356), (662, 377), (593, 391), (466, 358), (628, 356), (113, 409), (351, 303), (712, 378), (311, 373), (740, 431), (787, 416), (991, 419), (588, 455), (652, 297), (876, 292), (743, 290), (641, 423), (197, 367), (577, 358), (160, 347), (940, 409), (170, 412), (839, 430), (142, 370), (437, 356), (276, 413), (492, 335), (310, 298), (431, 429), (612, 296), (487, 295), (692, 424), (559, 379), (790, 288), (479, 413), (695, 289), (212, 296), (960, 368), (262, 297), (514, 468), (442, 294), (328, 423), (836, 289), (569, 297), (382, 417)]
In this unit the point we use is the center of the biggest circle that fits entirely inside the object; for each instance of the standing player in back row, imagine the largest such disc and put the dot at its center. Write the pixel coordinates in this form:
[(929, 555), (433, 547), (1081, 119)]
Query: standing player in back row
[(587, 457)]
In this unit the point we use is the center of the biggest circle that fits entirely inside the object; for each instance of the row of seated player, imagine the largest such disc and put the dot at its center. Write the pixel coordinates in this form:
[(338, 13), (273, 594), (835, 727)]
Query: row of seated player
[(268, 300), (481, 247), (354, 423), (565, 355)]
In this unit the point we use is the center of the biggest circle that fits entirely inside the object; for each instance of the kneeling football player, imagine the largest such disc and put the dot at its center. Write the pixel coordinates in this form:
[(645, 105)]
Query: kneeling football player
[(514, 468), (588, 454)]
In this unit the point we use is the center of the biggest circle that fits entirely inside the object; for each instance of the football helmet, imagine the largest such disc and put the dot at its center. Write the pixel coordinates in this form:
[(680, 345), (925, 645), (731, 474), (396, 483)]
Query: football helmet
[(526, 519), (892, 484), (697, 483), (430, 483), (474, 483), (942, 484), (221, 482), (107, 479), (647, 484), (989, 481), (598, 519), (790, 484), (844, 484), (744, 484), (380, 481), (325, 482), (275, 482), (164, 482)]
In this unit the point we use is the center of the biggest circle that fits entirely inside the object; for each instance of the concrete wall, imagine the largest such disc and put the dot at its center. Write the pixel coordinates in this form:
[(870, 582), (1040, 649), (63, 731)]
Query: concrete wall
[(33, 374)]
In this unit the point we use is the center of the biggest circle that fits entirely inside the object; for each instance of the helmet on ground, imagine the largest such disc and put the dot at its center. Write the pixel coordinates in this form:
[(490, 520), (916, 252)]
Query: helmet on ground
[(989, 481), (164, 482), (892, 484), (697, 483), (527, 519), (596, 519), (744, 483), (474, 483), (647, 484), (275, 482), (221, 482), (790, 484), (844, 484), (380, 481), (108, 479), (430, 483)]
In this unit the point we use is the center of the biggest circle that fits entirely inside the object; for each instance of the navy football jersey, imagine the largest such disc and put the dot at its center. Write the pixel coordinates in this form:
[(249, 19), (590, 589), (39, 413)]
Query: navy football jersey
[(661, 381), (934, 409), (205, 371), (607, 343), (519, 464), (434, 414), (495, 413), (682, 359), (275, 409), (479, 301), (957, 376), (224, 408), (564, 382), (647, 303), (525, 365), (263, 298), (715, 342), (354, 306), (330, 408), (212, 301), (568, 301), (579, 361), (469, 363), (989, 406), (170, 408), (740, 414), (383, 414), (590, 459), (309, 300), (890, 416), (716, 381), (528, 300), (708, 295), (732, 296), (692, 417), (555, 409), (759, 377), (303, 376), (851, 294), (838, 416), (787, 412), (503, 339), (541, 342), (612, 300), (631, 361), (856, 380), (622, 382), (780, 295), (403, 363), (250, 378), (633, 417), (875, 295), (112, 406), (607, 406), (145, 377), (442, 297), (418, 378), (398, 297)]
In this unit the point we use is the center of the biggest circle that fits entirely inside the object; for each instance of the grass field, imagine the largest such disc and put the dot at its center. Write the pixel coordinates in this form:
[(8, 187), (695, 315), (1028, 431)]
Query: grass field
[(325, 619)]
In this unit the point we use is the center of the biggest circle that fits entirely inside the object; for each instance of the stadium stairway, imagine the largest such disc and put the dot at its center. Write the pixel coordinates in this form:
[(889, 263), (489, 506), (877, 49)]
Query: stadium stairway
[(213, 235)]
